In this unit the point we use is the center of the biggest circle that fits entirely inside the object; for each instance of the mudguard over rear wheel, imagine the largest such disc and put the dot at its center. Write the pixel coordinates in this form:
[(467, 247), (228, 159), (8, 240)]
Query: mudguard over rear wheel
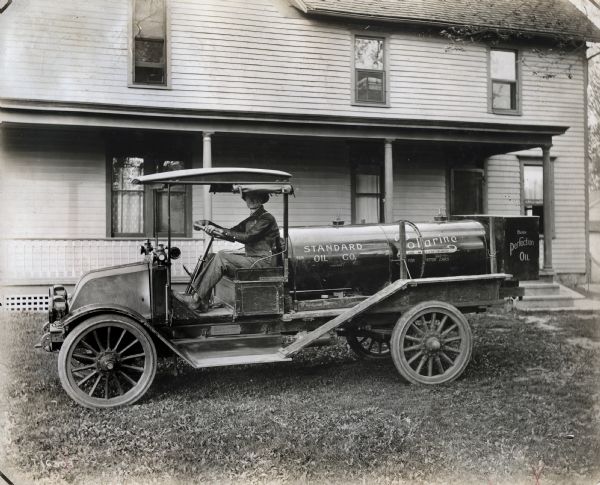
[(107, 361), (431, 343)]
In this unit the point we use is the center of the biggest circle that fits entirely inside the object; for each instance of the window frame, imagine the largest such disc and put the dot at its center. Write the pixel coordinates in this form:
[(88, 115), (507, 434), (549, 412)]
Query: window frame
[(386, 94), (517, 111), (537, 162), (149, 199), (374, 169), (167, 69)]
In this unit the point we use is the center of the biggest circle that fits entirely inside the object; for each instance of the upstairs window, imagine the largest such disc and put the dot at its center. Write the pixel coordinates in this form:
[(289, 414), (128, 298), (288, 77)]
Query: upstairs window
[(504, 81), (149, 42), (369, 70)]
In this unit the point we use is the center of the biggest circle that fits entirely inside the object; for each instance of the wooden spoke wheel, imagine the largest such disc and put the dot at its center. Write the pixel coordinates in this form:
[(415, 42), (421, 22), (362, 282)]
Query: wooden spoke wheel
[(107, 361), (369, 345), (431, 343)]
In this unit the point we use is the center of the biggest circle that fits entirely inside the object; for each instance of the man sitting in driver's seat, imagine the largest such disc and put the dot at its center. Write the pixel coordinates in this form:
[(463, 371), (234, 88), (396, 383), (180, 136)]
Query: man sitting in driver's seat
[(259, 232)]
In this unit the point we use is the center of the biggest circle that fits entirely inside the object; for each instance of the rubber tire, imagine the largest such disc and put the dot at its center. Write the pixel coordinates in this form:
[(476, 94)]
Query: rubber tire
[(134, 393), (402, 326), (361, 352)]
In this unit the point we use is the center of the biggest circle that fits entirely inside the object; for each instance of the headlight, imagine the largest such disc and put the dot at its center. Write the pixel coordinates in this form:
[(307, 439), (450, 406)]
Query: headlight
[(174, 252), (58, 306)]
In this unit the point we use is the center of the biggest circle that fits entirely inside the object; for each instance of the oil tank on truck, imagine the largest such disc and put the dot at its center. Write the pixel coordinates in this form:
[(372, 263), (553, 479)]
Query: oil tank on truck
[(365, 258)]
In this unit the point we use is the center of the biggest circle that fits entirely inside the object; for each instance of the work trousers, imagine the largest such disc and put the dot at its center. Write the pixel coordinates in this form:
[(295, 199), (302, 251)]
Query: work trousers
[(224, 263)]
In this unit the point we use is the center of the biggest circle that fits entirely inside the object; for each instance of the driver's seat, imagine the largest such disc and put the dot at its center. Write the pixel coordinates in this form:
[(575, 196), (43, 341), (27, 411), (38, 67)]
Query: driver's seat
[(256, 290)]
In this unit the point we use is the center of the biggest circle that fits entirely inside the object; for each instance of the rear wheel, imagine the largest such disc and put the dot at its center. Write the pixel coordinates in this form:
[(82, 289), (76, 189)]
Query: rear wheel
[(431, 343), (107, 361), (369, 345)]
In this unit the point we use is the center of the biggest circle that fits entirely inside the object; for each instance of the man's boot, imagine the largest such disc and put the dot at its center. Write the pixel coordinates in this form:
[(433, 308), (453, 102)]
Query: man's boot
[(194, 302)]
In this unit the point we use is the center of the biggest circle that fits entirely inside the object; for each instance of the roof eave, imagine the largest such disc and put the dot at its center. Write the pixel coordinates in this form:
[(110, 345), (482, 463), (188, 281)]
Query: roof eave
[(320, 12)]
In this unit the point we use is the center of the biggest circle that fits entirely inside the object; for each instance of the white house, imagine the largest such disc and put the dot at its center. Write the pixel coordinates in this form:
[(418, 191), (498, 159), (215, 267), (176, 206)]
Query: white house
[(381, 111)]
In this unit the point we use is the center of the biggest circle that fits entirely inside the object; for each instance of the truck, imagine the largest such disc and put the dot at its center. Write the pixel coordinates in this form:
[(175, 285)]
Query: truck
[(398, 290)]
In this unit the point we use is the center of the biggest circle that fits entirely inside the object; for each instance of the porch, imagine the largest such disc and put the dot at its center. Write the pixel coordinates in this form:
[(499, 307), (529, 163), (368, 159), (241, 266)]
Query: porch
[(416, 160)]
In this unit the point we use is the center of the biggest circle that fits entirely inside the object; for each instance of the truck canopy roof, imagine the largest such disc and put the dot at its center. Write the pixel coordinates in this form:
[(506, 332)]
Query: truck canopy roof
[(223, 179)]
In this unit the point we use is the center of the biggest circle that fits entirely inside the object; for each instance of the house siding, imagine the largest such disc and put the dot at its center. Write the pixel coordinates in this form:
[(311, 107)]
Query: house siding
[(53, 183), (419, 188), (247, 56), (503, 180)]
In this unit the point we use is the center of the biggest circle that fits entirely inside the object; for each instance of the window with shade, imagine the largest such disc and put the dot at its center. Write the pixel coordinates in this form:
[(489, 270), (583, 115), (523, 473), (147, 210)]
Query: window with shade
[(533, 192), (504, 81), (369, 70), (138, 210), (367, 195), (149, 42)]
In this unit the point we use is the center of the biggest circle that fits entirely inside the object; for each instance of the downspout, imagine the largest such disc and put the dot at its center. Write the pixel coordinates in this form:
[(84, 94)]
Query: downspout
[(586, 147)]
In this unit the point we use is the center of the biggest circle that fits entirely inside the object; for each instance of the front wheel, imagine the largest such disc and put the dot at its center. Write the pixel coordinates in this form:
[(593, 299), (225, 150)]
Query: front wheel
[(431, 343), (107, 361)]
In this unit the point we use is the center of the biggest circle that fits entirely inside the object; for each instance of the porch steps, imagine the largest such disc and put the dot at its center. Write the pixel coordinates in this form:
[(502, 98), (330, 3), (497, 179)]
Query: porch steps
[(542, 295), (540, 288)]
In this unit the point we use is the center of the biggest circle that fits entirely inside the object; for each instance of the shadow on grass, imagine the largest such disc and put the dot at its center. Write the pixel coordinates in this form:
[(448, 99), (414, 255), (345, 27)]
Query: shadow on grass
[(310, 369)]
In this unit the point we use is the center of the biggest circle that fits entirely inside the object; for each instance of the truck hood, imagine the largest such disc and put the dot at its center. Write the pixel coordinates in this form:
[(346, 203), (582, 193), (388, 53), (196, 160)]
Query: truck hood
[(127, 285)]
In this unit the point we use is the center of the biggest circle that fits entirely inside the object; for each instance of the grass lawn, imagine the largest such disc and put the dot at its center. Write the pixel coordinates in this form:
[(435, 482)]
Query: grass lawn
[(529, 403)]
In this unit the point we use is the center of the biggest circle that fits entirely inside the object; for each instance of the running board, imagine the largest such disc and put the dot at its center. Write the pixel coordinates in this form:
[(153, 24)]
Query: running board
[(216, 352), (200, 363), (344, 317)]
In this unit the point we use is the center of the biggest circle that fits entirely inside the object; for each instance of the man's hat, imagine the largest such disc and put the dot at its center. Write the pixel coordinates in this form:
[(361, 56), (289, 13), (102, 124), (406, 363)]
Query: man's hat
[(263, 197)]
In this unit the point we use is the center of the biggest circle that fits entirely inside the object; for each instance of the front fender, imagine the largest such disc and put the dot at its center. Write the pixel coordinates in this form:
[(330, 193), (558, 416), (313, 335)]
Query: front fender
[(86, 311), (56, 332), (82, 313)]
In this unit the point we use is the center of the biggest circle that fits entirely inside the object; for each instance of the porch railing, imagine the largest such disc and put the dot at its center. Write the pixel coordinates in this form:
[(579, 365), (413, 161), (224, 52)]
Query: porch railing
[(47, 261)]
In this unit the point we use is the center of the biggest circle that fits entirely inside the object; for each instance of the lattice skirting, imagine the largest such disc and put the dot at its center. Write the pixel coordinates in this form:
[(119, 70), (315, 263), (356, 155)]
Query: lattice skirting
[(34, 303)]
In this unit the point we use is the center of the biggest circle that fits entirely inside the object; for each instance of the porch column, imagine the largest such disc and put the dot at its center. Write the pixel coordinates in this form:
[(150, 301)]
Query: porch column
[(207, 163), (548, 183), (388, 205)]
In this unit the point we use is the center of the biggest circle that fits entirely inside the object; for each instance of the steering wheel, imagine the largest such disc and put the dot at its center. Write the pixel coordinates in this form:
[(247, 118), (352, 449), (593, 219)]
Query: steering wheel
[(200, 223), (217, 231)]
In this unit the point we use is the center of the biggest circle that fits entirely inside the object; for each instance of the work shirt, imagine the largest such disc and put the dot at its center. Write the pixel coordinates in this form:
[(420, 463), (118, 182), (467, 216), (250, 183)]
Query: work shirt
[(258, 232)]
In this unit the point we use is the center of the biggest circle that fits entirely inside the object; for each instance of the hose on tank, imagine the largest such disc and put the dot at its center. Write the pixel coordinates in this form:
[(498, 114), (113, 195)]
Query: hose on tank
[(421, 244)]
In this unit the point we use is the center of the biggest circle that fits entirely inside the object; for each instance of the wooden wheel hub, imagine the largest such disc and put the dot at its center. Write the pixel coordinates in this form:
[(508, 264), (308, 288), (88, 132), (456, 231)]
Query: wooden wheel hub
[(107, 362), (432, 344)]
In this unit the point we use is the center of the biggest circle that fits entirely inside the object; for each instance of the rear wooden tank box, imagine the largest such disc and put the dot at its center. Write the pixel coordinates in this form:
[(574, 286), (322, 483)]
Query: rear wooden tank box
[(513, 244), (253, 292)]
